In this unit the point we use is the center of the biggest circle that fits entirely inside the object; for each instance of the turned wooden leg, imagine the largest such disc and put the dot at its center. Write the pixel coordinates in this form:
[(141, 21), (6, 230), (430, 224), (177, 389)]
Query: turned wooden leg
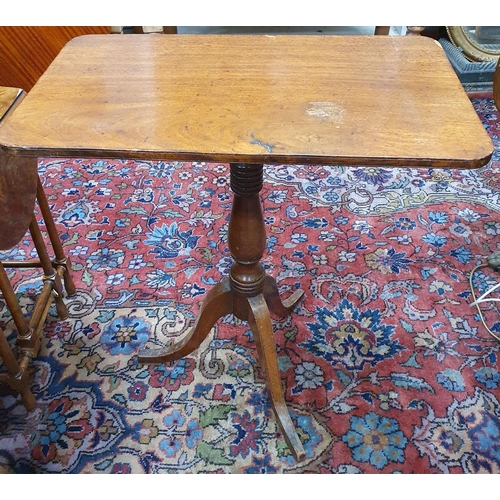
[(61, 259), (50, 275), (27, 338), (276, 305), (17, 374), (218, 303)]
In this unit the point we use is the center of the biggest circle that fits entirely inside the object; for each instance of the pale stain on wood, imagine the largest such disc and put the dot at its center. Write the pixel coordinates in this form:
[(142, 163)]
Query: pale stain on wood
[(328, 111)]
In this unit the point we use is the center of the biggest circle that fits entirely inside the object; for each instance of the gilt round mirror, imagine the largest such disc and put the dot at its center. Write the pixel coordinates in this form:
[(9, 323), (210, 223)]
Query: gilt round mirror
[(478, 43)]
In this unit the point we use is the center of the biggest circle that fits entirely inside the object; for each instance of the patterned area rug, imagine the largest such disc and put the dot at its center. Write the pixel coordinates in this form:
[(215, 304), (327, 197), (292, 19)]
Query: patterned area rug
[(386, 368)]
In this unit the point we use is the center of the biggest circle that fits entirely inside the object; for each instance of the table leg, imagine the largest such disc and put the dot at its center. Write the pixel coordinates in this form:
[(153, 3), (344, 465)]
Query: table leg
[(262, 329), (217, 303), (274, 303), (27, 338), (50, 275), (61, 259), (248, 293), (17, 373)]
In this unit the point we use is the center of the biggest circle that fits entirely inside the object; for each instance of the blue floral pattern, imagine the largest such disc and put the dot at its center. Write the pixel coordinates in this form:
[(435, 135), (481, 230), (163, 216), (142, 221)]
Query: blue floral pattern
[(352, 337), (376, 440), (168, 242), (125, 335)]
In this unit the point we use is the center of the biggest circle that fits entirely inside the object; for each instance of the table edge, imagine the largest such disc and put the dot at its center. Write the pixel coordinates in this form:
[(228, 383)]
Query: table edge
[(187, 156)]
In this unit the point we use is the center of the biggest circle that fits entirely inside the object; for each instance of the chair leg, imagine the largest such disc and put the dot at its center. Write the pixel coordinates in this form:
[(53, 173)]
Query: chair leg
[(61, 260)]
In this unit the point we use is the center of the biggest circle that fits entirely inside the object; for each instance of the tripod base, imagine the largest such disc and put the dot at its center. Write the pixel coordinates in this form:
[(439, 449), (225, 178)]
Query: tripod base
[(222, 300)]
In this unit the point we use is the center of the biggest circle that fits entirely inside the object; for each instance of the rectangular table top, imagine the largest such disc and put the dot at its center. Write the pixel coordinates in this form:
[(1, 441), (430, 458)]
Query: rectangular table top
[(371, 100)]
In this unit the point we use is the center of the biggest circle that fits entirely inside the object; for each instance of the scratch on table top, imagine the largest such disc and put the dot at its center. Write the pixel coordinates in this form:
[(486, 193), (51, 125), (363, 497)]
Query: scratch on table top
[(326, 111), (268, 147)]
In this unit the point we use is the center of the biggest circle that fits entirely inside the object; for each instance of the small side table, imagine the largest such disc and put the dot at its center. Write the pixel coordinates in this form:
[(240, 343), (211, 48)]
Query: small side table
[(247, 100), (28, 331)]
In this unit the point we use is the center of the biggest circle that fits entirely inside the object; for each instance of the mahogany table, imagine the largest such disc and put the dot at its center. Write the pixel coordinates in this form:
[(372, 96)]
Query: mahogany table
[(247, 100)]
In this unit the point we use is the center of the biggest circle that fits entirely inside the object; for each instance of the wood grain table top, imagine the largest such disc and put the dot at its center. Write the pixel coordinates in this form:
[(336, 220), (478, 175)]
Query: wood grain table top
[(371, 100)]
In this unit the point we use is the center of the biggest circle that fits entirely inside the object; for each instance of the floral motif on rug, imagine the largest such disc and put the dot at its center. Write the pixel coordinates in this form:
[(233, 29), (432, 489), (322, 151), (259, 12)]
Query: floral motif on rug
[(385, 366)]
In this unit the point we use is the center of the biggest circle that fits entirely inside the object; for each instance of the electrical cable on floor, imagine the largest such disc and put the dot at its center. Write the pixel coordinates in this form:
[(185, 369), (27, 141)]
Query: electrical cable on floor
[(494, 263)]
